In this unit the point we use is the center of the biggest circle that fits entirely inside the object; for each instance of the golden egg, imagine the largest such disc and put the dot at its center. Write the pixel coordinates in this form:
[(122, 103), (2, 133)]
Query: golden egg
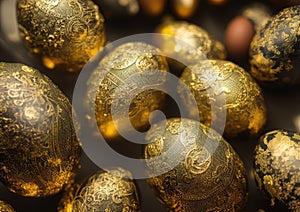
[(185, 8), (65, 33), (39, 150), (188, 42), (4, 207), (209, 175), (126, 62), (232, 90), (103, 191), (153, 7), (277, 167), (274, 50)]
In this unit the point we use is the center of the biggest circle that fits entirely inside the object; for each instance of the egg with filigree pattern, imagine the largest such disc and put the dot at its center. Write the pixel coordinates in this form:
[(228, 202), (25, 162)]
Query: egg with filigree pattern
[(39, 151), (64, 33)]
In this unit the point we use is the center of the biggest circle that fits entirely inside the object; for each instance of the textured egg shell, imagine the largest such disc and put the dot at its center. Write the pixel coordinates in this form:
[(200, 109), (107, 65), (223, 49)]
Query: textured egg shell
[(39, 150), (65, 33), (209, 177), (103, 191), (277, 167)]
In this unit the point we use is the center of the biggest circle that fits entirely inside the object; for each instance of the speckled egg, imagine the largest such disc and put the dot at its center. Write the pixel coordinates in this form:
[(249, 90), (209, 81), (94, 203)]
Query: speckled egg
[(277, 167), (274, 50)]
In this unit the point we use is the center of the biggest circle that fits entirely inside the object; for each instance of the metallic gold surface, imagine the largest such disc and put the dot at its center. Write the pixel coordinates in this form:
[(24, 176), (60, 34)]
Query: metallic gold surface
[(118, 8), (112, 191), (274, 51), (207, 179), (4, 207), (259, 14), (193, 39), (39, 150), (185, 8), (153, 7), (65, 33), (121, 64), (213, 79), (277, 167)]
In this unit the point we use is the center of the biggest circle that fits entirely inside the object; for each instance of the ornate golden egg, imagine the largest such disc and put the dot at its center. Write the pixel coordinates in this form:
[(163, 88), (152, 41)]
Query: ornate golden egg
[(232, 91), (209, 175), (274, 50), (39, 150), (4, 207), (277, 167), (122, 66), (103, 191), (65, 33), (189, 42)]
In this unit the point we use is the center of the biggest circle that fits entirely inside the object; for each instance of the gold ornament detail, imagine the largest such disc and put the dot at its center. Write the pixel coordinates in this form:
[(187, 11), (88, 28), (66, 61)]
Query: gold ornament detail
[(277, 167), (65, 33), (4, 207), (189, 42), (274, 51), (211, 176), (39, 150), (239, 96), (125, 62), (103, 191)]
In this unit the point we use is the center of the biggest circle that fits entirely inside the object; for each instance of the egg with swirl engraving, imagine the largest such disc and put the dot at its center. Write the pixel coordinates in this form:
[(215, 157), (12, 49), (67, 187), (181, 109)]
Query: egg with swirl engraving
[(39, 150), (104, 191), (224, 88), (205, 173), (277, 167), (133, 65), (64, 33)]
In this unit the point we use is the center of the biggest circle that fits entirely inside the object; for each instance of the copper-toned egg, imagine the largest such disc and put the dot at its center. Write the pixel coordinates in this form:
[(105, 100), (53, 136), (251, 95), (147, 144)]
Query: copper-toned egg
[(185, 8), (153, 7), (65, 33), (232, 91), (274, 51), (277, 167), (206, 174), (126, 62), (39, 150), (103, 191), (188, 42), (238, 36), (4, 207)]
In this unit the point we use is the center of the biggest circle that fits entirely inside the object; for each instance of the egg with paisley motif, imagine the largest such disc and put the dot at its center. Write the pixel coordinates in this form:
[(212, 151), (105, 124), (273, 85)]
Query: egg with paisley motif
[(64, 33), (5, 207), (222, 87), (39, 151), (201, 171), (277, 167), (104, 191), (115, 83)]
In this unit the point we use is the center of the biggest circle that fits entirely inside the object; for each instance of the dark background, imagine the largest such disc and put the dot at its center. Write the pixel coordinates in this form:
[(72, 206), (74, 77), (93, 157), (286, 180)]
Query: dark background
[(282, 104)]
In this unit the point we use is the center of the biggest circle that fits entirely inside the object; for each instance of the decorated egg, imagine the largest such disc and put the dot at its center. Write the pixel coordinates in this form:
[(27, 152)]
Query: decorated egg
[(277, 167), (222, 87), (103, 191), (64, 33), (201, 171), (39, 150), (121, 72)]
